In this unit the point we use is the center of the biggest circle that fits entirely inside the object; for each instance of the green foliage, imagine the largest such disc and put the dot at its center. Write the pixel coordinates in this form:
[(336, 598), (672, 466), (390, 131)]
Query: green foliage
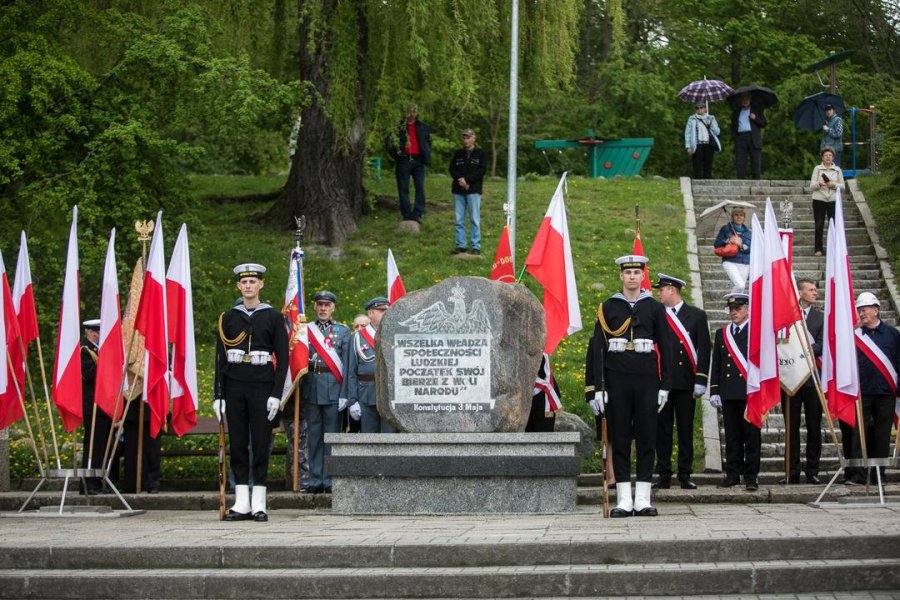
[(889, 126)]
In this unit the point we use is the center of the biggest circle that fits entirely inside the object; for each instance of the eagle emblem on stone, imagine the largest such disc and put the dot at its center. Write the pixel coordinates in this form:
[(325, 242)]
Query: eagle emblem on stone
[(437, 318)]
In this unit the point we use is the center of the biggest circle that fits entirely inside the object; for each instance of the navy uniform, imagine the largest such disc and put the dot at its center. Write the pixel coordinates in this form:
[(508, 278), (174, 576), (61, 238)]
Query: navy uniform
[(321, 391), (251, 368), (728, 391), (623, 368), (360, 380), (689, 381), (102, 424)]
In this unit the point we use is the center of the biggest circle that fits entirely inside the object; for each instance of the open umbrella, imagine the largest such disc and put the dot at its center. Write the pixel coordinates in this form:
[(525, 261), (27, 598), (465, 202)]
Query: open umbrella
[(761, 97), (710, 221), (810, 113), (704, 90)]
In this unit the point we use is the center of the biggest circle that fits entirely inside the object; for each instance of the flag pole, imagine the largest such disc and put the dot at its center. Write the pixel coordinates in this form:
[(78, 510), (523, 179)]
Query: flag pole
[(21, 398), (787, 438), (295, 447), (34, 406), (143, 228), (808, 354), (861, 432), (49, 408)]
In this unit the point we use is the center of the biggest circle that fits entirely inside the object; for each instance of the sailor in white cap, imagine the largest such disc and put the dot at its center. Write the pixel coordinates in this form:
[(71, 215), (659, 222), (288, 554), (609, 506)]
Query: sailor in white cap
[(690, 368), (728, 392), (627, 378), (251, 366), (100, 424), (878, 358)]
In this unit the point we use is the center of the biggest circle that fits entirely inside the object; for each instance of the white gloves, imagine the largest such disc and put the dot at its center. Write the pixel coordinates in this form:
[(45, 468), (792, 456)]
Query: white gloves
[(598, 403), (661, 399), (715, 401), (617, 344), (219, 409), (272, 405), (355, 411), (699, 390), (342, 404)]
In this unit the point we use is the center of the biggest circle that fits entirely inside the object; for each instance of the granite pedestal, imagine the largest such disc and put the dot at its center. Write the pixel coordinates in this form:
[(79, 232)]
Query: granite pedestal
[(451, 473)]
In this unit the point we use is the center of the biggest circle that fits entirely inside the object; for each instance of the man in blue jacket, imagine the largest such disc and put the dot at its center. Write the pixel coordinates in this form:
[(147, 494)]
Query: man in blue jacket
[(411, 155)]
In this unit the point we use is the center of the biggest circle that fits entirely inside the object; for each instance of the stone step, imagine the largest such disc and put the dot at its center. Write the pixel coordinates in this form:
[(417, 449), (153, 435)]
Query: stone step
[(776, 575), (769, 492)]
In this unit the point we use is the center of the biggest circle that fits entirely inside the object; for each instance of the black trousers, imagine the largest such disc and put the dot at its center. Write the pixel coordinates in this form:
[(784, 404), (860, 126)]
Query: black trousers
[(245, 409), (820, 208), (808, 401), (878, 415), (680, 409), (150, 457), (702, 160), (631, 414), (742, 442), (743, 149), (538, 421)]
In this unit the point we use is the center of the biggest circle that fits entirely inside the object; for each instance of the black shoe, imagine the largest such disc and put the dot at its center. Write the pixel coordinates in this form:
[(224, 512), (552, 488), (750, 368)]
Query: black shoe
[(476, 252), (792, 480), (752, 485), (646, 512), (813, 479), (853, 481), (620, 513), (316, 489), (231, 515), (326, 489), (663, 483), (260, 517), (729, 482), (686, 483), (458, 250), (153, 491)]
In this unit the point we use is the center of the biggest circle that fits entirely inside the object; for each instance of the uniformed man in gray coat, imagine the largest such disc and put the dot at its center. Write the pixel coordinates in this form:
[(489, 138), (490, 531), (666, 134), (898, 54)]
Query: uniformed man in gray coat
[(321, 391), (360, 380)]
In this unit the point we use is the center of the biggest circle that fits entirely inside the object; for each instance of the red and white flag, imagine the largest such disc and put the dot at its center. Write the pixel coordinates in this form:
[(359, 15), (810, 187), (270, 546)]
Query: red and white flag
[(840, 371), (502, 267), (550, 262), (395, 287), (180, 313), (151, 320), (11, 365), (638, 250), (295, 320), (111, 354), (23, 297), (67, 365), (773, 306)]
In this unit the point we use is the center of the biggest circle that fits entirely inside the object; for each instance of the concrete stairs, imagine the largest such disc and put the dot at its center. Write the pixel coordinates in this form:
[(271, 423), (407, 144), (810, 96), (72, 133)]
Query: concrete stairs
[(766, 563), (865, 267)]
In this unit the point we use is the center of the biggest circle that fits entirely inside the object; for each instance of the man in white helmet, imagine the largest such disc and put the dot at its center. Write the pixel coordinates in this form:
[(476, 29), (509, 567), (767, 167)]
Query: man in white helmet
[(878, 357)]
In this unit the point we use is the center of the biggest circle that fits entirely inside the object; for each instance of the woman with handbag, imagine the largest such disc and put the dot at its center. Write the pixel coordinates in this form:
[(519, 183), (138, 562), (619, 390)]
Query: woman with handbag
[(701, 140), (826, 179), (733, 245)]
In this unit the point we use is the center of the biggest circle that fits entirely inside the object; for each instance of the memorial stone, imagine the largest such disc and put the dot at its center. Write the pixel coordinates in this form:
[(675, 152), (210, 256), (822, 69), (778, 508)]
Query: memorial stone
[(460, 357)]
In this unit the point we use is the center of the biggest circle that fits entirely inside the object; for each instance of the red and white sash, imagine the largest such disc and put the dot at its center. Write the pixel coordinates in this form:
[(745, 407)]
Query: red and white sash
[(740, 361), (326, 353), (684, 337), (368, 333), (867, 346)]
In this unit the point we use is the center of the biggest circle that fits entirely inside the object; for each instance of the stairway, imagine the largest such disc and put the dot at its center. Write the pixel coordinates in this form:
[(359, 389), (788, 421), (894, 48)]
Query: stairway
[(865, 269)]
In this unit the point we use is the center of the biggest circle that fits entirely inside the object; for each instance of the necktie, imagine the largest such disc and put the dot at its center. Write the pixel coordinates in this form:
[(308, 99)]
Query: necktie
[(734, 330)]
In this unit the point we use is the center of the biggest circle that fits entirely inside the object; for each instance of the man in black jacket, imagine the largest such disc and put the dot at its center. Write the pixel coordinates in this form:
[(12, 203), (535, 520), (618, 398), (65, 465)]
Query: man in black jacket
[(746, 122), (690, 365), (728, 392), (411, 155), (467, 169), (806, 397)]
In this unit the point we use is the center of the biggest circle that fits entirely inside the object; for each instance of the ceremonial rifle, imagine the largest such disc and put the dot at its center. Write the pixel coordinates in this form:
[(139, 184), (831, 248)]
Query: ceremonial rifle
[(221, 470), (604, 442)]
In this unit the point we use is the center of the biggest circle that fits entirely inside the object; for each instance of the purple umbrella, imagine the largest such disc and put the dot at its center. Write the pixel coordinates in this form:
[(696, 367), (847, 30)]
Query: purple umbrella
[(704, 90)]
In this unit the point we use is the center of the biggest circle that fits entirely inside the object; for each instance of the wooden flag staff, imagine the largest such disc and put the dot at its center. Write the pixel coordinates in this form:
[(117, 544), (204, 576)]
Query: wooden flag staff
[(34, 406)]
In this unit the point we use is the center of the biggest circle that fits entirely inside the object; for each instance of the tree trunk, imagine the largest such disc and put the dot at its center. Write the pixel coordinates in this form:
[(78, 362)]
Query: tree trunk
[(325, 181)]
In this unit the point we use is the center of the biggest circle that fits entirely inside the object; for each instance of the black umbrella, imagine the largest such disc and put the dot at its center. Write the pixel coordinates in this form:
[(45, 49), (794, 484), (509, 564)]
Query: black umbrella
[(760, 97), (810, 113)]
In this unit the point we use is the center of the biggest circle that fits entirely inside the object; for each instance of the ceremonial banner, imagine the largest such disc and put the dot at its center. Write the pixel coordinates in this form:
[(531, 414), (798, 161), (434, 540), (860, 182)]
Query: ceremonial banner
[(67, 365), (180, 313), (550, 262), (295, 319), (111, 354), (502, 267)]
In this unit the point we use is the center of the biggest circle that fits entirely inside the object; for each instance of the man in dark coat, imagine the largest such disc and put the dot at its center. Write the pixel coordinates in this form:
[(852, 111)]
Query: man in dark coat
[(411, 155), (360, 380), (746, 124), (690, 367)]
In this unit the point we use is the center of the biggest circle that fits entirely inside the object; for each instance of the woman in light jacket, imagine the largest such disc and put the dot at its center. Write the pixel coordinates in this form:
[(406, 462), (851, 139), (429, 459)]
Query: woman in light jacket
[(824, 183), (701, 140)]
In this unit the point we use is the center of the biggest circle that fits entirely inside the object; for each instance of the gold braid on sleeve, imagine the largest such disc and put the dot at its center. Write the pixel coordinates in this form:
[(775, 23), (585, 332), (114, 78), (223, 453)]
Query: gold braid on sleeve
[(233, 341), (618, 332)]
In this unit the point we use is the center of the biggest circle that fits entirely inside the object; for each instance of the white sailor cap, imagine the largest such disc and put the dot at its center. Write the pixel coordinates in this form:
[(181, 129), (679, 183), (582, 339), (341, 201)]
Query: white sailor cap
[(632, 261), (92, 324), (737, 299), (663, 280), (249, 270)]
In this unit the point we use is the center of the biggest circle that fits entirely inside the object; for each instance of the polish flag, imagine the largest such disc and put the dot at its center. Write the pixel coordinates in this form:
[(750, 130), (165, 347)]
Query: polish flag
[(395, 287), (550, 262), (111, 355), (502, 268), (23, 297), (151, 321), (840, 372), (67, 365), (773, 306), (638, 250), (180, 309), (295, 320), (11, 366)]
